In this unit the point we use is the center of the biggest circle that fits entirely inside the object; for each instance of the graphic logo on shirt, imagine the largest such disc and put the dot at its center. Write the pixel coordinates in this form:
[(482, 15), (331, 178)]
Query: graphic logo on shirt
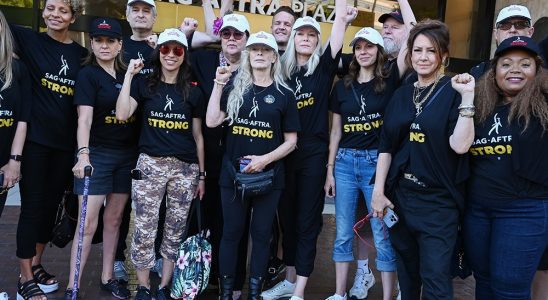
[(64, 66), (362, 105), (298, 87), (269, 99), (254, 109), (140, 55), (169, 101), (496, 124)]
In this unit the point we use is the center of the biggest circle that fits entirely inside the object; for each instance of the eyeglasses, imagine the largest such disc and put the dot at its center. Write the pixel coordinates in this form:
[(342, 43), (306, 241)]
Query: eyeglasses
[(177, 50), (226, 34), (519, 25)]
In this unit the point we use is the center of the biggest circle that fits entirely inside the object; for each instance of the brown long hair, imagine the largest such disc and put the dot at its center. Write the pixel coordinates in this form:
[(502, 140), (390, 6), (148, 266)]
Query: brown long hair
[(529, 102), (379, 73), (438, 34)]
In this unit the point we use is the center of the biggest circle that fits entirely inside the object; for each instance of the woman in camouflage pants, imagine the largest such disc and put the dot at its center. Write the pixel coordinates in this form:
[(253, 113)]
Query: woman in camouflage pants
[(171, 156)]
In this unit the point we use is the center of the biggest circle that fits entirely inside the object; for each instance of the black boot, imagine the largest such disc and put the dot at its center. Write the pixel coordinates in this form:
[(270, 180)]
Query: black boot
[(227, 285), (255, 288)]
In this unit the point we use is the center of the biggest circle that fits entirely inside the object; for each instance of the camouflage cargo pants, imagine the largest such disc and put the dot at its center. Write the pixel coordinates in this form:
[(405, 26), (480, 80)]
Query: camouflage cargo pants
[(161, 175)]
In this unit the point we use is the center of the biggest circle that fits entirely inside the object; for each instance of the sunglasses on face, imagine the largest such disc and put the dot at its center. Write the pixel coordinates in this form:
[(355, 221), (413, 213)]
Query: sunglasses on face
[(177, 50), (519, 25), (226, 34)]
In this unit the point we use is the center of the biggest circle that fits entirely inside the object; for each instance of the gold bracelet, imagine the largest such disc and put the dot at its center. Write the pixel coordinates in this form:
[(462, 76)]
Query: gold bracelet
[(467, 113)]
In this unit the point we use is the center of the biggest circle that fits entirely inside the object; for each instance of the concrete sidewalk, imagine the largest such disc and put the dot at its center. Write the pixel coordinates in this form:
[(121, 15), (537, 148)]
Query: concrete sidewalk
[(321, 283)]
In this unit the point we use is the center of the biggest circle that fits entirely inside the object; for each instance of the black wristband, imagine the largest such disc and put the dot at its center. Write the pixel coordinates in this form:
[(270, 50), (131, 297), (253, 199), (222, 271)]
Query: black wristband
[(16, 157), (202, 173)]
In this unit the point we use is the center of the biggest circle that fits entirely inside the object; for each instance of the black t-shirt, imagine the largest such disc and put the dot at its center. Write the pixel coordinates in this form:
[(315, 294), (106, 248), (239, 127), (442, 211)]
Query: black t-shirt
[(420, 145), (312, 94), (266, 113), (166, 128), (15, 106), (362, 113), (138, 49), (492, 173), (96, 88), (53, 67)]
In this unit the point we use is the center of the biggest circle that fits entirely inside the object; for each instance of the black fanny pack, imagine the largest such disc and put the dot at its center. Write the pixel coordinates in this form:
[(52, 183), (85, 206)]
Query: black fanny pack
[(253, 184), (250, 184)]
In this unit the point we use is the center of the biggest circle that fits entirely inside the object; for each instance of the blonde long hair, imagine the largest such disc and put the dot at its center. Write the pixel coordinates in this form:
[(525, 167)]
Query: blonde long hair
[(6, 53), (289, 58), (243, 82)]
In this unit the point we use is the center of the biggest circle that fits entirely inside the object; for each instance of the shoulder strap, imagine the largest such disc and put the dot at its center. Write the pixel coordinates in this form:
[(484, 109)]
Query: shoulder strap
[(435, 95)]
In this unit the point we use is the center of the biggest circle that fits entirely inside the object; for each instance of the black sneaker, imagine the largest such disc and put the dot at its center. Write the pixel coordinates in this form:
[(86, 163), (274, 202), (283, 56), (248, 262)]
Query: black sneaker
[(275, 268), (163, 294), (116, 289), (143, 293)]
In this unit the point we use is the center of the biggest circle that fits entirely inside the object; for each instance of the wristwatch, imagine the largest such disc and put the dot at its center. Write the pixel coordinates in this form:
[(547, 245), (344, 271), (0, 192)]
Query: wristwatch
[(16, 157)]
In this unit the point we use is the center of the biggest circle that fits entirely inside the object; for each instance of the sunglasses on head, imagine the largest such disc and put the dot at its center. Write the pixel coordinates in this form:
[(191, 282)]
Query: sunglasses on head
[(177, 50), (519, 25), (226, 34)]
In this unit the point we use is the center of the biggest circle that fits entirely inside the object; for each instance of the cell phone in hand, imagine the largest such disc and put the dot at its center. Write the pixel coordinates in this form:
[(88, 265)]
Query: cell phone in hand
[(243, 163), (390, 218)]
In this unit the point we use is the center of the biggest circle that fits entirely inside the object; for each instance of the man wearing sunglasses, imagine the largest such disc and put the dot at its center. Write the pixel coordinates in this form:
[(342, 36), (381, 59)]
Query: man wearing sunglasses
[(511, 21)]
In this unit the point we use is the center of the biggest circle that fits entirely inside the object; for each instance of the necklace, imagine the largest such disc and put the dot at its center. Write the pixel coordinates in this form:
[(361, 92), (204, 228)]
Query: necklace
[(417, 92)]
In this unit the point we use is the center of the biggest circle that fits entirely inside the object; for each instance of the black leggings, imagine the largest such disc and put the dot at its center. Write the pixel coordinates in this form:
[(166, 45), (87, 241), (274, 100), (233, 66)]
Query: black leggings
[(46, 175), (234, 219), (301, 208)]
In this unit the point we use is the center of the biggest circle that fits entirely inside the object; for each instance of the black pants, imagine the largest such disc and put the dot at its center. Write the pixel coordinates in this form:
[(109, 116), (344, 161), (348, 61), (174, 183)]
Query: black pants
[(301, 208), (424, 239), (47, 173), (234, 218), (3, 199)]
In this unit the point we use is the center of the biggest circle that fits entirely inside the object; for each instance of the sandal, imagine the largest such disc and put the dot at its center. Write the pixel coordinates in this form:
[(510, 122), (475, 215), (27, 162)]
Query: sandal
[(28, 290), (42, 278)]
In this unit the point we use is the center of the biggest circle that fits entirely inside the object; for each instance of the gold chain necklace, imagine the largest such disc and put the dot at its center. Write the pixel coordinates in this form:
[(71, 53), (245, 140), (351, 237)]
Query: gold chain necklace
[(417, 92)]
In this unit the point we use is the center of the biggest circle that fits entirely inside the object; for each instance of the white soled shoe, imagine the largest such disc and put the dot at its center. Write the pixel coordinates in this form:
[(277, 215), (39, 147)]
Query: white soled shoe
[(362, 283), (282, 289)]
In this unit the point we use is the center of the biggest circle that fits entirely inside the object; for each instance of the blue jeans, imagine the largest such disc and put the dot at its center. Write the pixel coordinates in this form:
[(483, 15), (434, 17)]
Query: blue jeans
[(353, 172), (504, 243)]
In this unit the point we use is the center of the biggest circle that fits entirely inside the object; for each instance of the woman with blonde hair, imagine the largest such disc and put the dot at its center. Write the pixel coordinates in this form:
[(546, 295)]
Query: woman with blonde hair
[(309, 70), (262, 129), (15, 105), (53, 60)]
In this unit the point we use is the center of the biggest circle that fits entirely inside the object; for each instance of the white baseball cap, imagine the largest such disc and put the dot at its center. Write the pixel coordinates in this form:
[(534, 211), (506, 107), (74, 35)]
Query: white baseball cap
[(236, 21), (307, 21), (262, 38), (149, 2), (369, 34), (172, 35), (513, 11)]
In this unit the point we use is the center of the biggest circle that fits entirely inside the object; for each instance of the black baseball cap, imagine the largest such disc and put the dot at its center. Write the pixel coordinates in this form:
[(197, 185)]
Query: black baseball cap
[(518, 42), (105, 27), (396, 14)]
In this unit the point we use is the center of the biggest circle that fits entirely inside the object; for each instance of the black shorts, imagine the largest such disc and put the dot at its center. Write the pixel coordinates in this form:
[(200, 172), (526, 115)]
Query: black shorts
[(111, 171)]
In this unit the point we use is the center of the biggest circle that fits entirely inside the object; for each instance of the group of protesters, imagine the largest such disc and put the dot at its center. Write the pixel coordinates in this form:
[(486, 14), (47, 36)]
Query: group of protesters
[(444, 164)]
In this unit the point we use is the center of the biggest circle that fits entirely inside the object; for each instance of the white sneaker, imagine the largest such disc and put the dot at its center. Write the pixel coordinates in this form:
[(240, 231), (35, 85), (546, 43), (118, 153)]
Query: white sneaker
[(362, 283), (282, 289), (120, 271), (158, 266), (336, 297), (4, 296)]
